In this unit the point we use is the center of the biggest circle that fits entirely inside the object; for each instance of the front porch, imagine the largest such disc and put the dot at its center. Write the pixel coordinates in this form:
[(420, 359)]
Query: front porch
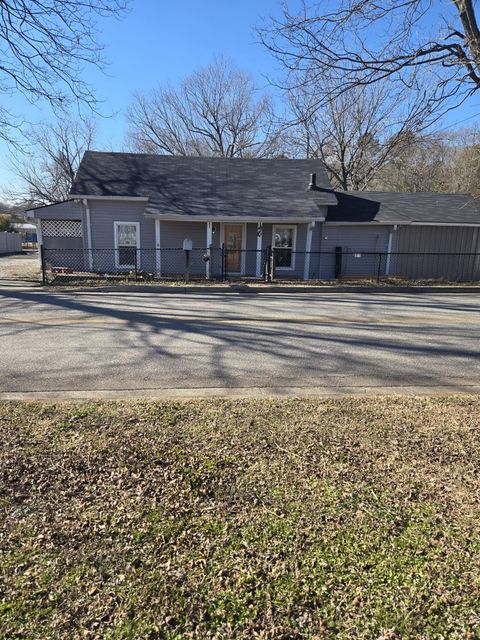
[(237, 249)]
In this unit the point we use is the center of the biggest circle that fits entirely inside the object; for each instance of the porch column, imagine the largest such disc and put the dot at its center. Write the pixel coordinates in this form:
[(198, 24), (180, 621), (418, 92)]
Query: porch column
[(308, 248), (259, 249), (158, 251), (209, 242), (389, 249), (38, 224), (89, 234)]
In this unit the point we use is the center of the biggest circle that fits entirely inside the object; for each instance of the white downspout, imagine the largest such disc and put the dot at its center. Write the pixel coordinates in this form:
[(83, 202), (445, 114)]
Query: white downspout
[(89, 234), (258, 269), (38, 224), (209, 242), (308, 249), (158, 250), (389, 249)]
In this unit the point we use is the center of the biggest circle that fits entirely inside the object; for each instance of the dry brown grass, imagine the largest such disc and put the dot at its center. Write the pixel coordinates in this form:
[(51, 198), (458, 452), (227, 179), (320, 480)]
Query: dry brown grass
[(272, 519)]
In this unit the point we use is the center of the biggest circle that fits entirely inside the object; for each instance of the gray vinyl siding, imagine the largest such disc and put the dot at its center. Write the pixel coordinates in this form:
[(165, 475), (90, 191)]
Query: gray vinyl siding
[(364, 241), (315, 256), (419, 241), (69, 210), (103, 213), (317, 247), (172, 235)]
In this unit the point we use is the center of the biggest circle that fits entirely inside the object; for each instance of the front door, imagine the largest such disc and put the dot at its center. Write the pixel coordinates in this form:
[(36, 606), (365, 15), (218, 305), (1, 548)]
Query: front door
[(233, 240)]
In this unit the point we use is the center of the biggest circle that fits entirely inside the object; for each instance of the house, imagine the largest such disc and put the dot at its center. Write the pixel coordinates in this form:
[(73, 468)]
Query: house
[(136, 210)]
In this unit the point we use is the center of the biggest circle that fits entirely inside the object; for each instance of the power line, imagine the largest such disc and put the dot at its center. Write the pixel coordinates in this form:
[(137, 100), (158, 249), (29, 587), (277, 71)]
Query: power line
[(454, 124)]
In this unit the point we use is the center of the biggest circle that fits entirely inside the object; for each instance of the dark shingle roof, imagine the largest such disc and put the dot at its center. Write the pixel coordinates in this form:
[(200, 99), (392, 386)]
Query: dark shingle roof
[(388, 207), (207, 187)]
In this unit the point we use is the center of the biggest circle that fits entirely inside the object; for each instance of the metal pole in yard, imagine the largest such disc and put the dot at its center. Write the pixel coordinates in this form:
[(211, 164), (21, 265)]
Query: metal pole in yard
[(136, 264), (379, 267), (187, 266), (338, 262), (223, 261)]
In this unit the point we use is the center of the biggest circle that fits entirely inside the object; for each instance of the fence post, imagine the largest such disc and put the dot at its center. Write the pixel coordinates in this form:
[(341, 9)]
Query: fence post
[(225, 269), (223, 262), (43, 266), (270, 265), (209, 275), (136, 263), (338, 262), (379, 267), (187, 266)]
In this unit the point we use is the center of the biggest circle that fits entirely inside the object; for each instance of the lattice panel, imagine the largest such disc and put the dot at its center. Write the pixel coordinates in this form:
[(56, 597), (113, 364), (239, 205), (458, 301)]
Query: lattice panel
[(61, 228)]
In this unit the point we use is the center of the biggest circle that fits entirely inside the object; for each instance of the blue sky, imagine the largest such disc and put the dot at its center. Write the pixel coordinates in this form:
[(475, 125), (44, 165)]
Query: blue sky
[(160, 41), (157, 41)]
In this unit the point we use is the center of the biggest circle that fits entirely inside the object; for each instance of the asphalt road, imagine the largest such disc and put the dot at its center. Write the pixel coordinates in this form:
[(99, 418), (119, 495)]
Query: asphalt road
[(74, 344)]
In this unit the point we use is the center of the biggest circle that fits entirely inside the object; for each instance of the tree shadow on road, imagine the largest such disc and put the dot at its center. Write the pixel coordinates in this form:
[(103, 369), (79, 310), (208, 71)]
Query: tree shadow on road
[(229, 350)]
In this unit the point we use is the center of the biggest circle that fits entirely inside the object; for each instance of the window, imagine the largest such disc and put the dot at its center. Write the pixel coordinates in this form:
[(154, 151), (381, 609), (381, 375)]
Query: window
[(127, 241), (284, 240)]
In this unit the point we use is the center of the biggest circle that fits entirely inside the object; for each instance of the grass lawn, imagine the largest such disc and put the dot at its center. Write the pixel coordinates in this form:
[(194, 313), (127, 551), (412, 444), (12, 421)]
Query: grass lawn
[(274, 519)]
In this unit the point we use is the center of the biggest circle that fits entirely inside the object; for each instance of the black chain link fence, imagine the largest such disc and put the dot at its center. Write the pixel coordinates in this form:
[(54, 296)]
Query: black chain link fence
[(374, 266), (128, 264), (76, 266)]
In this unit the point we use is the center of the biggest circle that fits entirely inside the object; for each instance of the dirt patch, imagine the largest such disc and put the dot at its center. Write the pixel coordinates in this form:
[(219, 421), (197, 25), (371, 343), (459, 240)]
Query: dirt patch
[(21, 266)]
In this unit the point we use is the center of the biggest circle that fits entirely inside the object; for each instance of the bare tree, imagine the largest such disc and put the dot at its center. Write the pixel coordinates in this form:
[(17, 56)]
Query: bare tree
[(463, 173), (45, 44), (423, 162), (361, 42), (46, 168), (447, 161), (356, 132), (214, 112)]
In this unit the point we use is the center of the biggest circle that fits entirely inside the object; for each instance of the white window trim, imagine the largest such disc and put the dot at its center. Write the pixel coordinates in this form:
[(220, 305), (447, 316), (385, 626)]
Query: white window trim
[(115, 234), (294, 244), (244, 245)]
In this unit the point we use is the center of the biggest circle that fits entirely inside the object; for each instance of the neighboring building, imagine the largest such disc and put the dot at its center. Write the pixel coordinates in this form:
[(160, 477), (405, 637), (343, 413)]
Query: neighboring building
[(124, 205), (27, 231)]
